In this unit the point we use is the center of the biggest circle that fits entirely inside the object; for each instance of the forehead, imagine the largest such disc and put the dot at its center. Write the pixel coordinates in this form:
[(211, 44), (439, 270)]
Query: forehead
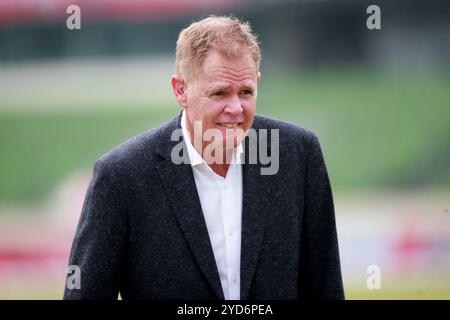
[(218, 67)]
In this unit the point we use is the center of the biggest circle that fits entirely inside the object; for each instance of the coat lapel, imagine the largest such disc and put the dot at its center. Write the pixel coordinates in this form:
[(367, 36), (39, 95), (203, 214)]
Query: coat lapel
[(256, 202), (179, 185)]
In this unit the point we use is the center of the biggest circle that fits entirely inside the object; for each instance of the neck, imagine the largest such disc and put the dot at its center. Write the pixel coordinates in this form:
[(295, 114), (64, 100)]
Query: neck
[(220, 169)]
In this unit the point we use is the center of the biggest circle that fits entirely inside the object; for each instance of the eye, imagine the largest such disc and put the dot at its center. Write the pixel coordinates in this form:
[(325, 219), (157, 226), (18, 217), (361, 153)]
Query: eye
[(218, 94), (247, 92)]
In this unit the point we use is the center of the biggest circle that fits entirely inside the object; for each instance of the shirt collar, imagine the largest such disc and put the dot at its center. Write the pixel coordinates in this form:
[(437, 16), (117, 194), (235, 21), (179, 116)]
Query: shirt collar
[(194, 157)]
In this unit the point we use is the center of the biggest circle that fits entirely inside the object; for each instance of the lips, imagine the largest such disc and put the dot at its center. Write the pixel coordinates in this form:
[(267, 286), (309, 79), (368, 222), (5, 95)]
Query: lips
[(230, 125)]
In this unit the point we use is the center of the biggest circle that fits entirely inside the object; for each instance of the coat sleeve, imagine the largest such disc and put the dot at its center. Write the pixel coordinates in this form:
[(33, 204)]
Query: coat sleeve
[(99, 245), (320, 270)]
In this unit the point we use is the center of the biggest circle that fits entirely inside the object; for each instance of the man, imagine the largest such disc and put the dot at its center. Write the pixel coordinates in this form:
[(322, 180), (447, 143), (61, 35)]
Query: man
[(214, 226)]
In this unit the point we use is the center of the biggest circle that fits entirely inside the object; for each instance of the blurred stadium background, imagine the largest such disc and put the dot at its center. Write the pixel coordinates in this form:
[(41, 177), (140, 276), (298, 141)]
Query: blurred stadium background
[(379, 101)]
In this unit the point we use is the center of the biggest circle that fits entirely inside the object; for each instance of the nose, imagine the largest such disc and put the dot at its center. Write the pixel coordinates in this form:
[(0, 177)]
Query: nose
[(234, 105)]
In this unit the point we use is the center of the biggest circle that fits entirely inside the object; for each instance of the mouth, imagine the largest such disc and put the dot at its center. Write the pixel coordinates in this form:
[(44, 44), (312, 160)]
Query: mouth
[(230, 125)]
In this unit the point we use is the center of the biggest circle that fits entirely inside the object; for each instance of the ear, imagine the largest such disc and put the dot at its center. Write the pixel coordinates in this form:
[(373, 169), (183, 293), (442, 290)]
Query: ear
[(179, 89), (258, 77)]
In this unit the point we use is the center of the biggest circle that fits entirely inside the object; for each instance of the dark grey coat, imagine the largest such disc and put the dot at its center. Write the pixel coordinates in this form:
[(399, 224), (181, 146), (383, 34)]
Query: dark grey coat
[(142, 231)]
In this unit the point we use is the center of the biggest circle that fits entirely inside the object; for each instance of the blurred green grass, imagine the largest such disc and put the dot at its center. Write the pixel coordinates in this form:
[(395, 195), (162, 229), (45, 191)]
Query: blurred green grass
[(40, 149), (391, 290), (428, 288), (376, 130)]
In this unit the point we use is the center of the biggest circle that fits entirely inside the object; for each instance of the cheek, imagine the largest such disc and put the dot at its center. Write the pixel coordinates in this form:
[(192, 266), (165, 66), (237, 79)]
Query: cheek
[(249, 112), (214, 110), (207, 111), (250, 108), (198, 108)]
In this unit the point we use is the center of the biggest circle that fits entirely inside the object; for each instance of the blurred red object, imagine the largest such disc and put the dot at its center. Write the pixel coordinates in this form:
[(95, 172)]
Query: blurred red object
[(26, 11)]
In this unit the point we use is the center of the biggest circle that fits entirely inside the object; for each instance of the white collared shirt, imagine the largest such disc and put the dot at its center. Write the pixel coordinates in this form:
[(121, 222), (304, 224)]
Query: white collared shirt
[(221, 202)]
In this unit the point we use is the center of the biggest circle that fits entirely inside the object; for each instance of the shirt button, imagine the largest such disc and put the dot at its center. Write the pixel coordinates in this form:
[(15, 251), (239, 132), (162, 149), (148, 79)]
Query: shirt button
[(230, 233), (234, 279)]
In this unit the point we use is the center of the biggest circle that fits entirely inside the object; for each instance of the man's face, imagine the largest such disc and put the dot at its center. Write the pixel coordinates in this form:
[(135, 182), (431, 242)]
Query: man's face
[(223, 96)]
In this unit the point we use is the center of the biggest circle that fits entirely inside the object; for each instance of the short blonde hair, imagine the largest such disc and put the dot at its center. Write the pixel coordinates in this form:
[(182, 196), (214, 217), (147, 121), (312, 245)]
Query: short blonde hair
[(226, 34)]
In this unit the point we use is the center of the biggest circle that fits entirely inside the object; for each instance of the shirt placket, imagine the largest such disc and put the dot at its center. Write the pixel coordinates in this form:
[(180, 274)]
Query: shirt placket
[(228, 208)]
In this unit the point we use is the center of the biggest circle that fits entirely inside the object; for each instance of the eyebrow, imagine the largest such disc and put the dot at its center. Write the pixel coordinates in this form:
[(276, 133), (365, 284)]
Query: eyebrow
[(223, 87), (213, 87), (248, 87)]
